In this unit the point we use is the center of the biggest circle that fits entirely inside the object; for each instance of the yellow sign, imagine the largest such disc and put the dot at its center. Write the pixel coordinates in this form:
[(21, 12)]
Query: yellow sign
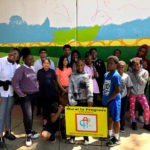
[(86, 121)]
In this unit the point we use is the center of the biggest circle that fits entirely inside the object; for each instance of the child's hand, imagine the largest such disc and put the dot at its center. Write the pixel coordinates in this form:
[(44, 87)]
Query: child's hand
[(60, 108), (90, 104)]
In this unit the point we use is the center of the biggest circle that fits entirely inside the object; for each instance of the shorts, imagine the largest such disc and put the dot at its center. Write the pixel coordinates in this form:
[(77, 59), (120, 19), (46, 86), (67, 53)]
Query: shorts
[(114, 109), (52, 129)]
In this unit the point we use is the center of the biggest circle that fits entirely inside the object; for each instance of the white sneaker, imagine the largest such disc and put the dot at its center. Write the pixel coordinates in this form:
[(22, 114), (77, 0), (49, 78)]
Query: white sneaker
[(34, 135), (28, 140), (72, 140), (86, 142), (141, 119)]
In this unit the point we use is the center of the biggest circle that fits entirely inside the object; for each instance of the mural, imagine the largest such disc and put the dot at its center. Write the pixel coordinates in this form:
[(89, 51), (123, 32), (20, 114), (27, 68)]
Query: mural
[(78, 22)]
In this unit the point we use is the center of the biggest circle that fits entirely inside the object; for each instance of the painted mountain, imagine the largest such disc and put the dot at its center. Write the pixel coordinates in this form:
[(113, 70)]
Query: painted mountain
[(129, 30)]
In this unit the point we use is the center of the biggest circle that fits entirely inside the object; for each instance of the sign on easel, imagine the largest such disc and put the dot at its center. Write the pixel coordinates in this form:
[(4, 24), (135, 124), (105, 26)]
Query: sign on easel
[(86, 121)]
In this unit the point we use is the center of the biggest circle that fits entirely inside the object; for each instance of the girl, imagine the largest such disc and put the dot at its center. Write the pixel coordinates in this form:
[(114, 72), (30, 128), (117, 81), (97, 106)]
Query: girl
[(139, 78), (75, 55), (63, 73), (90, 69), (46, 78), (25, 85)]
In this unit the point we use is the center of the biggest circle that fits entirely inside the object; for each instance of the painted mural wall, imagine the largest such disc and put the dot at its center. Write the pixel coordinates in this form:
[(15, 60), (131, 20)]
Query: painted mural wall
[(78, 22)]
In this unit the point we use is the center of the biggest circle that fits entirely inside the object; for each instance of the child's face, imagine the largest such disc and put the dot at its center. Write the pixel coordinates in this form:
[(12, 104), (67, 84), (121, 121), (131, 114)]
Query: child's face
[(111, 65), (75, 56), (136, 66), (43, 55), (46, 65), (141, 52), (29, 60), (65, 62), (117, 53), (121, 68), (67, 51), (94, 54), (80, 66), (89, 60)]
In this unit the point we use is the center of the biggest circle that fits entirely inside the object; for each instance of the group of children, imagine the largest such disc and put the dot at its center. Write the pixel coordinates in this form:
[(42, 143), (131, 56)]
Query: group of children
[(79, 82)]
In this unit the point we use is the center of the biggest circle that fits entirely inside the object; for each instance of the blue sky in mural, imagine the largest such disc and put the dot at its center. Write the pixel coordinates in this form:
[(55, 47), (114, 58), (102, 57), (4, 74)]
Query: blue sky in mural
[(19, 31)]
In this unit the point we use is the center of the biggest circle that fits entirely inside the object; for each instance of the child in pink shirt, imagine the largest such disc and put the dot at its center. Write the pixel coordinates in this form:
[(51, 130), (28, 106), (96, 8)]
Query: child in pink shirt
[(63, 73)]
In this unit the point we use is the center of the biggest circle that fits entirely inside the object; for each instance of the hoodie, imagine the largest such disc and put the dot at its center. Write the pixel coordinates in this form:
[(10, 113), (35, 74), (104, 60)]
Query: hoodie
[(139, 80)]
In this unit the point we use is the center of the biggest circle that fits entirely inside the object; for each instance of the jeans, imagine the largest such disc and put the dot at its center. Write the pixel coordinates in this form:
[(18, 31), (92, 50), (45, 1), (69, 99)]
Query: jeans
[(124, 101), (6, 106), (27, 106)]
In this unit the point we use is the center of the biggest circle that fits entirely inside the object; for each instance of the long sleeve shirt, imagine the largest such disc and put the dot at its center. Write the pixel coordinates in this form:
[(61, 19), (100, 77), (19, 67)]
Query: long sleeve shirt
[(139, 80), (25, 81)]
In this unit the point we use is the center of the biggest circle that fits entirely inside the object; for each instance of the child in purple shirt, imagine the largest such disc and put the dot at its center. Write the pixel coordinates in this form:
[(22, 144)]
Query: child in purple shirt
[(25, 85)]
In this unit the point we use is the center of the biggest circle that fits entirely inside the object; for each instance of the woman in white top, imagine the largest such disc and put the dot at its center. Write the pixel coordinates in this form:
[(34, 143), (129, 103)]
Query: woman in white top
[(7, 69)]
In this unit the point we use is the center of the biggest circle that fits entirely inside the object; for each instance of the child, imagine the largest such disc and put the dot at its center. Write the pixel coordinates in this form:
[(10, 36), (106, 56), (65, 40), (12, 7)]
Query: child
[(46, 78), (90, 69), (63, 73), (139, 78), (142, 53), (54, 124), (26, 87), (80, 91), (8, 67), (126, 85), (75, 55), (100, 68), (112, 98), (117, 53)]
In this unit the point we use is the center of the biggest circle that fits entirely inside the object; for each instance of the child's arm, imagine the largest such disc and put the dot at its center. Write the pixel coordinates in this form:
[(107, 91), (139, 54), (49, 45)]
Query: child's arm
[(142, 80), (114, 94), (128, 91), (61, 87), (55, 116), (89, 91), (129, 85)]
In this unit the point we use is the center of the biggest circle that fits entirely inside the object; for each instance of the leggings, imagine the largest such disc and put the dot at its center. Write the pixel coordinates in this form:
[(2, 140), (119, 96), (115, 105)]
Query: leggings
[(143, 101)]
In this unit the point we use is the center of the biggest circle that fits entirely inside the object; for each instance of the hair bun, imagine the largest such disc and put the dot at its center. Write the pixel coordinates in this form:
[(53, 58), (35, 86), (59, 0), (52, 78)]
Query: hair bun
[(25, 52)]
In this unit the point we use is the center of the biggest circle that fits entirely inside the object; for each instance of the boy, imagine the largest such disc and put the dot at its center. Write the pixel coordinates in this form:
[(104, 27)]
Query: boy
[(112, 98), (80, 91), (53, 124), (126, 85)]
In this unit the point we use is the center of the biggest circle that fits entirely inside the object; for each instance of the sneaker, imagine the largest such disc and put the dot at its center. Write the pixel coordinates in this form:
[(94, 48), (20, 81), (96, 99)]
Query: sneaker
[(134, 126), (147, 127), (2, 142), (28, 140), (9, 135), (34, 135), (112, 142), (141, 119), (72, 140), (122, 130), (86, 140)]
